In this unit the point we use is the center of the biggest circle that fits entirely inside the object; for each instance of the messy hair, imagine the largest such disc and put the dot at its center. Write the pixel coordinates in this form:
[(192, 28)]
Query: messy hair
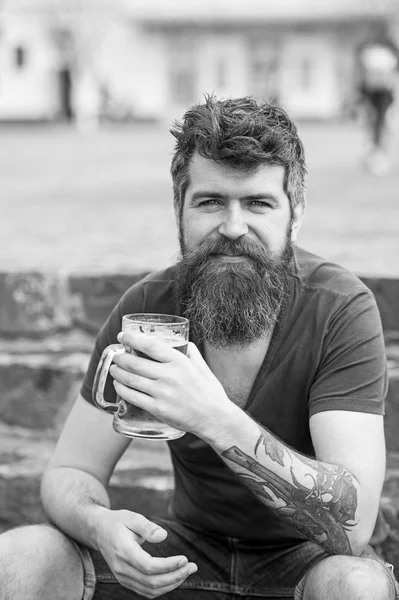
[(243, 134)]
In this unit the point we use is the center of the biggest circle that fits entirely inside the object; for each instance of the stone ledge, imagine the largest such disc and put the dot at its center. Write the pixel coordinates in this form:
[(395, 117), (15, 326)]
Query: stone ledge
[(386, 292), (34, 303), (20, 503), (392, 400), (37, 304), (38, 390), (40, 380)]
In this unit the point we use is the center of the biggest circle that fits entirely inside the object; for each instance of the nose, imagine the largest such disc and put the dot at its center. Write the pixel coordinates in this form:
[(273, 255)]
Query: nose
[(233, 225)]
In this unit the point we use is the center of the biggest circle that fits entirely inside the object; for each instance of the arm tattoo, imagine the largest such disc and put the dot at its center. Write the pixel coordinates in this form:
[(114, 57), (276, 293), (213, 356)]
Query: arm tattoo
[(273, 448), (320, 510)]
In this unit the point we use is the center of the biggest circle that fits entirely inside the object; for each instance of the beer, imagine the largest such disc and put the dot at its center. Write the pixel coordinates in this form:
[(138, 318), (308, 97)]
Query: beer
[(130, 420), (137, 422)]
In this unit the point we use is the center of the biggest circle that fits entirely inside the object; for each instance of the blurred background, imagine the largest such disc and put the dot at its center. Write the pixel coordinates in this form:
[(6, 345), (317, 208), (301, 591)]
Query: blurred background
[(89, 88)]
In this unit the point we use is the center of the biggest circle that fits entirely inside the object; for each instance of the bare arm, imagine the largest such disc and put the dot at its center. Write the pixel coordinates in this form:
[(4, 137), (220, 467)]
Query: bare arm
[(332, 501), (75, 499), (73, 489)]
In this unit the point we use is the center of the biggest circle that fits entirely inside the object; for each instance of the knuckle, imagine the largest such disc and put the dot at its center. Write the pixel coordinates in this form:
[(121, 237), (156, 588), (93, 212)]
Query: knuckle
[(133, 362), (123, 361), (118, 572), (145, 385), (167, 393), (148, 570), (131, 380)]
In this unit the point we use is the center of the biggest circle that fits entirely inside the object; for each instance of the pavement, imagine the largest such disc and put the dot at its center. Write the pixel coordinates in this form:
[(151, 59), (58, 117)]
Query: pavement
[(102, 202)]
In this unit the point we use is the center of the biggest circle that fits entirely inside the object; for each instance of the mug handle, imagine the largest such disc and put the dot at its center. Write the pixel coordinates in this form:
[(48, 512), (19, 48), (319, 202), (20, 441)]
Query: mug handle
[(102, 374)]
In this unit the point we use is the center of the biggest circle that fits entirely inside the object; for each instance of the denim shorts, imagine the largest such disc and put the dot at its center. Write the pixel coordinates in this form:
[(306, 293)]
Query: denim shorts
[(228, 568)]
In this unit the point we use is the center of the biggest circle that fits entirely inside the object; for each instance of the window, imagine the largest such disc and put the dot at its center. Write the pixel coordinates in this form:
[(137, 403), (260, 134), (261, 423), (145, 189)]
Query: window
[(306, 72), (221, 73), (182, 69), (20, 57), (264, 68)]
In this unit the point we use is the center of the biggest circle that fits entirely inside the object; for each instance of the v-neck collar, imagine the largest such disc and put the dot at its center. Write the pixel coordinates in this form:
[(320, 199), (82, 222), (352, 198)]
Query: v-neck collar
[(271, 350)]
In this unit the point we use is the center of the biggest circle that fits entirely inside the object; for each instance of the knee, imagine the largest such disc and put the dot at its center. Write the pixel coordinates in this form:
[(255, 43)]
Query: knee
[(32, 543), (29, 557), (349, 578)]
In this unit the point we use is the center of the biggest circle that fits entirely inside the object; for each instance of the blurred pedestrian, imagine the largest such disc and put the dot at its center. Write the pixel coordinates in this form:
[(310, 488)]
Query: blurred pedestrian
[(378, 65), (87, 103)]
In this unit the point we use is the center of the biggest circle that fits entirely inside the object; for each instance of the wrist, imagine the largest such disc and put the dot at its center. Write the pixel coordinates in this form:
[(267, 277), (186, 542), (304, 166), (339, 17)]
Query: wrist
[(228, 426), (96, 515)]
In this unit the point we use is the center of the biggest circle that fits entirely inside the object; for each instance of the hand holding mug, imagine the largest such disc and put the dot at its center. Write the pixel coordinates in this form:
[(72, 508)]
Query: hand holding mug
[(131, 420), (177, 389)]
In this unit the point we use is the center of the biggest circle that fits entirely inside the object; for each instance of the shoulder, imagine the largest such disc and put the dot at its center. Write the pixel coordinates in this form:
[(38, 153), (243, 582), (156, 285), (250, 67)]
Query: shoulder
[(154, 292), (161, 277), (322, 277)]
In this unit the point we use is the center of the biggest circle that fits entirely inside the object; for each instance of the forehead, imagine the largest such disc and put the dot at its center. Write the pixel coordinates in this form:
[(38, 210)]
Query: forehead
[(229, 180)]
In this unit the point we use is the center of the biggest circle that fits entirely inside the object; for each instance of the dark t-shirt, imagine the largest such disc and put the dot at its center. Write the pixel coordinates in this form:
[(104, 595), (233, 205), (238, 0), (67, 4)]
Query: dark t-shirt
[(326, 353)]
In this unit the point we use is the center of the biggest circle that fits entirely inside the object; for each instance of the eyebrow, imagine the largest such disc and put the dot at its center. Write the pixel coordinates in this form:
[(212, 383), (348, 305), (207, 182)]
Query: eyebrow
[(209, 194)]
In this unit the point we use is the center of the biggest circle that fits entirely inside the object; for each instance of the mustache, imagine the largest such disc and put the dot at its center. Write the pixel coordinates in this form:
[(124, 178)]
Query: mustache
[(226, 246)]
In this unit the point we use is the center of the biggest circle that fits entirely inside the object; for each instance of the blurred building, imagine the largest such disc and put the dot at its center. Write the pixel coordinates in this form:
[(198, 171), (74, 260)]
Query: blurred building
[(150, 59)]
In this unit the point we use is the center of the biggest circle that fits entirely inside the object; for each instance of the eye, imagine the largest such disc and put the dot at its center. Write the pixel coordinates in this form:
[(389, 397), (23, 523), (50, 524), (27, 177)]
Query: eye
[(260, 204), (210, 202)]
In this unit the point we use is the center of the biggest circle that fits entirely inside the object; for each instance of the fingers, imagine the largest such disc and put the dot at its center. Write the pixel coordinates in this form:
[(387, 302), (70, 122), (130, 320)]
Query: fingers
[(137, 364), (143, 527), (135, 397), (152, 346), (132, 380), (149, 575), (146, 530), (152, 586), (151, 567), (134, 567)]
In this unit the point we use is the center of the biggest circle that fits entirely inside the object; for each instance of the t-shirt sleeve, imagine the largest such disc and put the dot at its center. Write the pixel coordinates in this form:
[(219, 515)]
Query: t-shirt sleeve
[(352, 373), (131, 302)]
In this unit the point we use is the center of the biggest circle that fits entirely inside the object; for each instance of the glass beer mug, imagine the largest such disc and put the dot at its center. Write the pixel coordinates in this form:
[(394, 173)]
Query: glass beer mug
[(130, 420)]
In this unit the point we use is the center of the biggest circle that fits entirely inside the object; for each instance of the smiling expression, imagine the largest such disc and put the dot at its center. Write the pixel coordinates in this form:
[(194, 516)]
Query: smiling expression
[(225, 201)]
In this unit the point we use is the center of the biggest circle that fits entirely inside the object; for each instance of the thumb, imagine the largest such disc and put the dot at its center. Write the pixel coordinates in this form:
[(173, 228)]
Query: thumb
[(145, 529)]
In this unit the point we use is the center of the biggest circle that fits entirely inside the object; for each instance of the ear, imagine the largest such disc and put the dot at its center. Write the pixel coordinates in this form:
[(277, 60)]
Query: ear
[(299, 213)]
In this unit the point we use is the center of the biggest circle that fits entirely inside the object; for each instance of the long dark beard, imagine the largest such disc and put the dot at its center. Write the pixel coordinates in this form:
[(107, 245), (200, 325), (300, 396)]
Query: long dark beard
[(232, 304)]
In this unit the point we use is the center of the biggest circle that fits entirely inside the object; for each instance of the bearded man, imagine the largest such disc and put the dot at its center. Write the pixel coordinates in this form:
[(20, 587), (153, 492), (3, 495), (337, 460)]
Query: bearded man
[(281, 393)]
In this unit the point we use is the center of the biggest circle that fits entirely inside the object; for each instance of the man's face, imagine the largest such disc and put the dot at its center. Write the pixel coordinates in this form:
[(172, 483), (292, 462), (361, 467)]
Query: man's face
[(222, 202), (235, 233)]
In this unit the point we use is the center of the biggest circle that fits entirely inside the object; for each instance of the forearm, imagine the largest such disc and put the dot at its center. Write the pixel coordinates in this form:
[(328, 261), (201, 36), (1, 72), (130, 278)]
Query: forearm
[(318, 499), (73, 500)]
